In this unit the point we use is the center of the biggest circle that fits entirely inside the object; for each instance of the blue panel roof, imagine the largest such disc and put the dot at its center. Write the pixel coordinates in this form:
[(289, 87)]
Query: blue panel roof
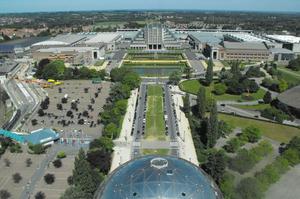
[(41, 136)]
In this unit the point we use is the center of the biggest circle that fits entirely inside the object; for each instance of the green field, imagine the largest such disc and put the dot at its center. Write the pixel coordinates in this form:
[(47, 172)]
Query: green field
[(154, 56), (278, 132), (155, 124), (257, 107), (155, 151), (193, 86), (290, 76)]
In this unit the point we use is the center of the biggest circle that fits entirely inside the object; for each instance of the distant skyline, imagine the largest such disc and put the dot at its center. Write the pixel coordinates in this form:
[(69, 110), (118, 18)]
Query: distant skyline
[(9, 6)]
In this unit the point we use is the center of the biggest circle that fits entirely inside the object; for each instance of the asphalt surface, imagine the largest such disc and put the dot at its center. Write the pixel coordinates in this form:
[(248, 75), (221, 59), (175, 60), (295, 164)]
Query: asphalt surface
[(140, 120), (116, 59), (195, 63)]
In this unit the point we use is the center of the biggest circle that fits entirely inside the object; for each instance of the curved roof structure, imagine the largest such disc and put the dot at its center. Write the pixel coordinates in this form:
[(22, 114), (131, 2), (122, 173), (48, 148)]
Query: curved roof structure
[(153, 177), (291, 97), (50, 43)]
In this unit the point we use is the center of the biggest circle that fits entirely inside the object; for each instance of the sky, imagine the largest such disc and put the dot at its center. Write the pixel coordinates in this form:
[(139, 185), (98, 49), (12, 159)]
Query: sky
[(8, 6)]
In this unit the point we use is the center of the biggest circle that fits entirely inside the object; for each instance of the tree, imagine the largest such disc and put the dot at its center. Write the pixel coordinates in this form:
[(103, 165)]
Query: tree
[(111, 130), (99, 159), (295, 64), (70, 180), (54, 70), (28, 162), (133, 80), (83, 175), (4, 194), (105, 143), (235, 70), (251, 134), (75, 193), (40, 195), (41, 112), (209, 72), (49, 178), (186, 104), (37, 148), (174, 78), (17, 178), (267, 97), (201, 102), (283, 85), (220, 89), (188, 72), (212, 129), (216, 165), (57, 163), (249, 188)]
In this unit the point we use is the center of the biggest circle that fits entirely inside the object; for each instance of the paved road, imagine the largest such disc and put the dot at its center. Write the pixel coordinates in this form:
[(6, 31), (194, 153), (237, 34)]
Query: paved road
[(195, 63), (116, 59)]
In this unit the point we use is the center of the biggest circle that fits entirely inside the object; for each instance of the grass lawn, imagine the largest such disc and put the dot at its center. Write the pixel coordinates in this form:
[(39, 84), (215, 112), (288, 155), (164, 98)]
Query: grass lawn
[(290, 76), (257, 107), (278, 132), (193, 86), (155, 151), (155, 124)]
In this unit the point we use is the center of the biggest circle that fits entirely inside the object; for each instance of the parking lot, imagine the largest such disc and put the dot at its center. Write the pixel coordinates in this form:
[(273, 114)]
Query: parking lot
[(78, 115)]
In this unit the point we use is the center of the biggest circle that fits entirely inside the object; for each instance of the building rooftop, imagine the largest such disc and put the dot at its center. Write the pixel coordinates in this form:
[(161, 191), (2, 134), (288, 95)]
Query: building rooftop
[(285, 38), (41, 136), (206, 37), (291, 97), (65, 39), (281, 50), (66, 49), (152, 177), (105, 37), (247, 37), (245, 45), (26, 42)]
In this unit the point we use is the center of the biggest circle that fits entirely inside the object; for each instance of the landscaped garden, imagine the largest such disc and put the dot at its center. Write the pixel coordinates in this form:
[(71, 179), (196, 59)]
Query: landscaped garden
[(154, 56), (278, 132), (155, 124), (193, 86), (156, 151)]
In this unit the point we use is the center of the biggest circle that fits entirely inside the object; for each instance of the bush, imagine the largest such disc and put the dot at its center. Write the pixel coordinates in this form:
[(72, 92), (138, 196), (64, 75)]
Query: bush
[(254, 72), (57, 163), (249, 188), (251, 134), (220, 89), (245, 160), (61, 155), (70, 180), (4, 194), (28, 162), (40, 195), (49, 178), (233, 145), (37, 148), (227, 186), (17, 178), (274, 114), (16, 148)]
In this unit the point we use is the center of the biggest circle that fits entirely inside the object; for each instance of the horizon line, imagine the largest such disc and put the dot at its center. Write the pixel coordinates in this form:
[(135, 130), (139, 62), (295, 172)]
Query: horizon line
[(162, 10)]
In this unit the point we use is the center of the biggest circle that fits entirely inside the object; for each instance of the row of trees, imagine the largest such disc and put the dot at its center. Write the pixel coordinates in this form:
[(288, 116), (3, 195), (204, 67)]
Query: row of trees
[(91, 167), (47, 69)]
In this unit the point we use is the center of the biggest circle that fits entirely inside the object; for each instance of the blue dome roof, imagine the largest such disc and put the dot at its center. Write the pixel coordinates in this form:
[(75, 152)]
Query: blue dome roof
[(153, 177)]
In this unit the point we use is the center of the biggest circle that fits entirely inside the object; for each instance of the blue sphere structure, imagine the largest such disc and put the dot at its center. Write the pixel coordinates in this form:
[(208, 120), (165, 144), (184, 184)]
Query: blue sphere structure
[(158, 177)]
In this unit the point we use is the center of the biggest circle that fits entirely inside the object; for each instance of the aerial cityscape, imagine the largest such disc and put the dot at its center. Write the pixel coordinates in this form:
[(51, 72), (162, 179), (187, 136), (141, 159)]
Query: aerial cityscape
[(150, 100)]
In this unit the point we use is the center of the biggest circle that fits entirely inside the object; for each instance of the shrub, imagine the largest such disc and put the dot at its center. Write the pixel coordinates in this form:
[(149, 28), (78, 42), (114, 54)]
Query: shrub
[(57, 163), (274, 114), (49, 178), (233, 145), (251, 134), (249, 188), (16, 148), (37, 148), (220, 89), (40, 195), (61, 155), (246, 159), (4, 194), (17, 177), (70, 180)]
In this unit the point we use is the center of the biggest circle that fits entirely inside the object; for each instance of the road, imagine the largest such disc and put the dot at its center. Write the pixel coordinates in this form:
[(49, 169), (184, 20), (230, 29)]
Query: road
[(140, 121), (195, 63), (116, 60)]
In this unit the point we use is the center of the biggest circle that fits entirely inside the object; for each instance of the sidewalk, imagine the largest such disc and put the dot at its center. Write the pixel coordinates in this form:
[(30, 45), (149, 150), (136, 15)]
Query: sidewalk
[(122, 149), (187, 149)]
